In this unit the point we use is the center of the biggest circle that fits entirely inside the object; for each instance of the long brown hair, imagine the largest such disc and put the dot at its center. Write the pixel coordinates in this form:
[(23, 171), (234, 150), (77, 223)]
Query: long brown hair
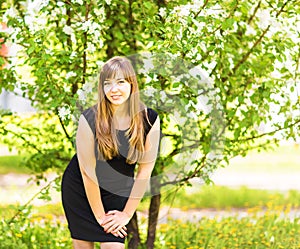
[(106, 133)]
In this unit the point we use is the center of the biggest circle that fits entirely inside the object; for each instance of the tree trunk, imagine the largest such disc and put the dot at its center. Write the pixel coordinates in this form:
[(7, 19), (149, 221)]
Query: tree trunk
[(152, 221), (133, 233)]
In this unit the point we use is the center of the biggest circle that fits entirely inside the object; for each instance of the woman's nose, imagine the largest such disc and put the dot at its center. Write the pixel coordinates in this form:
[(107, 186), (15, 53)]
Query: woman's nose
[(114, 87)]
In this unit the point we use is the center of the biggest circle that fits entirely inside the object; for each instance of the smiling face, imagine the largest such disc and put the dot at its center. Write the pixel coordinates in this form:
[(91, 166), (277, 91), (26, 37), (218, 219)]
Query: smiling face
[(117, 90), (118, 87)]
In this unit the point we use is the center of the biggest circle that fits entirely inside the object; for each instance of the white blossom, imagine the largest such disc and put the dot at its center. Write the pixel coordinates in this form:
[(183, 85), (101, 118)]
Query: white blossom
[(91, 48), (203, 104), (60, 4), (78, 1), (87, 87), (73, 39), (81, 95), (11, 12), (216, 11), (231, 63), (276, 74), (74, 118), (178, 118), (73, 54), (36, 5), (68, 30), (195, 72), (85, 25), (198, 2), (100, 12), (264, 18), (163, 96), (162, 12), (199, 26), (97, 35), (108, 2), (238, 14), (191, 114), (35, 23), (183, 10), (67, 88), (70, 74), (49, 51), (149, 91), (147, 65), (250, 30), (100, 63), (64, 112)]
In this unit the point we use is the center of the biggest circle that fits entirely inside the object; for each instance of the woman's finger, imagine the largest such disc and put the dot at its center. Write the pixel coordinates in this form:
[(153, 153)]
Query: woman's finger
[(106, 220), (120, 234), (112, 212), (107, 226), (115, 234), (113, 228), (123, 231)]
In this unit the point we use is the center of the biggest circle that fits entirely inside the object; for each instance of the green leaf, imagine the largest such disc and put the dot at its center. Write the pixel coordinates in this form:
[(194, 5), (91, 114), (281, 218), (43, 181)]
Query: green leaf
[(228, 23), (30, 50), (176, 84)]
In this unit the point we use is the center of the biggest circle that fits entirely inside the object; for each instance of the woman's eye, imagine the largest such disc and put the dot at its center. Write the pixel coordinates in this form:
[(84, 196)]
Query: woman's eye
[(121, 81)]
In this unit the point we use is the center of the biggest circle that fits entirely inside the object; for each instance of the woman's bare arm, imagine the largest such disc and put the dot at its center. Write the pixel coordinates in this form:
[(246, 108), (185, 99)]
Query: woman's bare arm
[(145, 168), (85, 145)]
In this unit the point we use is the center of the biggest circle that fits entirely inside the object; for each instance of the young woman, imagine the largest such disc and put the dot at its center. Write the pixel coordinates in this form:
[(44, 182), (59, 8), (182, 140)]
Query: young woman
[(99, 192)]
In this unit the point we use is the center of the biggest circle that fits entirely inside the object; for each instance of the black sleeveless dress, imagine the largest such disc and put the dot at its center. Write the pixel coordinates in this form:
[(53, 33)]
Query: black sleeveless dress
[(115, 177)]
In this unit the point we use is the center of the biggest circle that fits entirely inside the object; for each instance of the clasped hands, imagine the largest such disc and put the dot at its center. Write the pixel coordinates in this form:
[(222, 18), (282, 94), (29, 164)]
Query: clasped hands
[(114, 222)]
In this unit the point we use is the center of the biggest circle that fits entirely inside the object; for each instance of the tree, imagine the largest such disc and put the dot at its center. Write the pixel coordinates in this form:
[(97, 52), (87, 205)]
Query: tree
[(248, 49)]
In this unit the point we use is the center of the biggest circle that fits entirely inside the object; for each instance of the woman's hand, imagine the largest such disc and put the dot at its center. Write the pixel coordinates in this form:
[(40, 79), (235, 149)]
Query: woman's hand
[(114, 222), (121, 233)]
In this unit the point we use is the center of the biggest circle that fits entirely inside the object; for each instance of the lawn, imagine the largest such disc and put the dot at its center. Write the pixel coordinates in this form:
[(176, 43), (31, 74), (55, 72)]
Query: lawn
[(265, 225), (12, 164), (254, 231)]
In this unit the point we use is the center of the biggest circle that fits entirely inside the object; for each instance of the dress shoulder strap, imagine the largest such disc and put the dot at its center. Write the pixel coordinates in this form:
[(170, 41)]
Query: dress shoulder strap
[(149, 119), (90, 115)]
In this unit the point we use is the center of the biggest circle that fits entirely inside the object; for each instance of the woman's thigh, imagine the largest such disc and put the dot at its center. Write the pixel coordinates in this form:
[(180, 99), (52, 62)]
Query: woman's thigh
[(81, 244), (112, 245)]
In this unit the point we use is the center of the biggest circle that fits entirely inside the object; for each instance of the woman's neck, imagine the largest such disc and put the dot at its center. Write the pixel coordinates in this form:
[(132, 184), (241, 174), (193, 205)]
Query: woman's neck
[(120, 111)]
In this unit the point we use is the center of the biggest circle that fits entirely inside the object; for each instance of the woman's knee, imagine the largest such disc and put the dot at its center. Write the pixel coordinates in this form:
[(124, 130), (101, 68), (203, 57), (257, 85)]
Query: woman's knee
[(112, 245), (81, 244)]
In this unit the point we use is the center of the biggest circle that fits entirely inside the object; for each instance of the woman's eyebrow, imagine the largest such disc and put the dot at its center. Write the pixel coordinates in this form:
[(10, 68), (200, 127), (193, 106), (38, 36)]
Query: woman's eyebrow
[(114, 79)]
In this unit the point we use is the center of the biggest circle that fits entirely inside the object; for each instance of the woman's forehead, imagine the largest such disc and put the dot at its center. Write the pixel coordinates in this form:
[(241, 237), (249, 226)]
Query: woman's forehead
[(116, 75)]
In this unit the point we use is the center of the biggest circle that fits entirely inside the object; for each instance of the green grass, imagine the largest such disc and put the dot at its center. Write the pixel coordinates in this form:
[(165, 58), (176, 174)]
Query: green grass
[(268, 230), (220, 197), (251, 232), (13, 164), (280, 160), (8, 211)]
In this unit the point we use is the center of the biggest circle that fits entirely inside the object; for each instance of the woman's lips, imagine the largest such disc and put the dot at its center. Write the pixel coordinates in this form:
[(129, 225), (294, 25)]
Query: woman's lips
[(115, 97)]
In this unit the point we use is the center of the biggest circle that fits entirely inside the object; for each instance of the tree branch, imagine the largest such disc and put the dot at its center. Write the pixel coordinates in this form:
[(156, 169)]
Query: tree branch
[(63, 126), (270, 133), (24, 139), (31, 199), (188, 177), (246, 56), (88, 8), (254, 12), (202, 8)]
